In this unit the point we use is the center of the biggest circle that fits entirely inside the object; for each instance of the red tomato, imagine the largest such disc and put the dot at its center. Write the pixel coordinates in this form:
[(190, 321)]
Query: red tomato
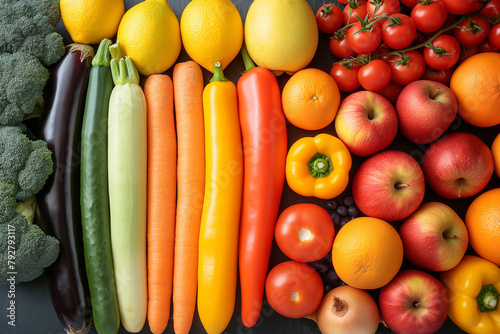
[(429, 18), (407, 68), (375, 75), (468, 36), (399, 31), (379, 7), (304, 232), (342, 1), (358, 9), (383, 49), (442, 76), (391, 91), (294, 289), (459, 7), (492, 10), (340, 48), (346, 78), (467, 51), (494, 36), (329, 18), (486, 46), (362, 41), (409, 3), (451, 52)]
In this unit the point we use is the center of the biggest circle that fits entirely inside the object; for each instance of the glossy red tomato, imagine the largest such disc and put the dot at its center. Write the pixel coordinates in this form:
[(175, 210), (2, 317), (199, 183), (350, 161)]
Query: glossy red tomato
[(346, 78), (329, 18), (450, 56), (468, 36), (429, 18), (399, 31), (409, 3), (492, 10), (304, 232), (442, 76), (383, 49), (467, 51), (357, 10), (494, 36), (407, 68), (379, 7), (391, 92), (486, 46), (459, 7), (340, 48), (294, 289), (362, 41), (375, 75)]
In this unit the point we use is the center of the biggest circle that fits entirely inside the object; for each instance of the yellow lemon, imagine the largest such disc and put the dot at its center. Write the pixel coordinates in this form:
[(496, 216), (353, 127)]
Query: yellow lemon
[(212, 31), (149, 34), (90, 21), (281, 35)]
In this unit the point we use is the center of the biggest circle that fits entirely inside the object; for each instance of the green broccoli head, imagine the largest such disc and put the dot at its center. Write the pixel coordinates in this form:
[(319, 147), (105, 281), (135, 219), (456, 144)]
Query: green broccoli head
[(26, 164), (22, 80), (30, 249), (30, 27)]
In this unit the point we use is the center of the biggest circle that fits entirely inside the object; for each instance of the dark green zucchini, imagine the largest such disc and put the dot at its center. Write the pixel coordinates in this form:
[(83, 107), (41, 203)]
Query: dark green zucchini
[(94, 198)]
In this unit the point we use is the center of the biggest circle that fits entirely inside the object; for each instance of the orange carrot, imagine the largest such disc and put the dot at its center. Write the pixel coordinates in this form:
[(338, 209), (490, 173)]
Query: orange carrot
[(188, 91), (162, 174)]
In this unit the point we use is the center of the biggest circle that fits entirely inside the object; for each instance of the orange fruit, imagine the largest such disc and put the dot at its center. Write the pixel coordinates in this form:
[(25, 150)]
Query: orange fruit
[(495, 150), (310, 99), (483, 224), (367, 253), (476, 84)]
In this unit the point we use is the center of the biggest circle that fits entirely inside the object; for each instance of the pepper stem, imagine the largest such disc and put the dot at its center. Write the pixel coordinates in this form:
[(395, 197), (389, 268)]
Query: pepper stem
[(488, 298), (218, 73), (320, 165), (249, 64)]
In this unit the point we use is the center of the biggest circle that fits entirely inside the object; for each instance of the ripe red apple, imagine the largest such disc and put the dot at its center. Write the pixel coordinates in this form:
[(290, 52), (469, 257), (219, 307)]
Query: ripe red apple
[(366, 122), (434, 237), (425, 109), (458, 165), (414, 302), (389, 185)]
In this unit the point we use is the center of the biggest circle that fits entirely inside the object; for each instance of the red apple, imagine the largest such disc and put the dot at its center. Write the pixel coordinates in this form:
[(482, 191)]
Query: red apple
[(389, 185), (458, 165), (425, 109), (366, 122), (434, 237), (414, 302)]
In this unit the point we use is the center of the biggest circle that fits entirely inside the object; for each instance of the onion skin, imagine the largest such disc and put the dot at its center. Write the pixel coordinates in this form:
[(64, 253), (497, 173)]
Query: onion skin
[(347, 310)]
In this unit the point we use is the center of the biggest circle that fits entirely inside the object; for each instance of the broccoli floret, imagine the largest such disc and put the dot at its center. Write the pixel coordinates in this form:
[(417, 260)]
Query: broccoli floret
[(30, 249), (30, 26), (24, 163), (22, 80)]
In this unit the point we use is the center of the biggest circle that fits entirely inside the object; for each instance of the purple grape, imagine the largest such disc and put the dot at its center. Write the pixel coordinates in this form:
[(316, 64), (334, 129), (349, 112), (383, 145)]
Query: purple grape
[(344, 221), (335, 218), (342, 210), (332, 204), (332, 276), (348, 201), (353, 211), (322, 266)]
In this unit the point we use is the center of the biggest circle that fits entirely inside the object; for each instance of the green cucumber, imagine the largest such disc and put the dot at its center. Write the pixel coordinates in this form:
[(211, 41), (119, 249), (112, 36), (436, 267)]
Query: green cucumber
[(94, 199)]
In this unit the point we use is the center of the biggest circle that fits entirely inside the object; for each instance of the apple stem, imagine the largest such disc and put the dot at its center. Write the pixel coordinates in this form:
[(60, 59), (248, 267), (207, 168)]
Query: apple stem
[(416, 304), (401, 185), (447, 236), (339, 307), (370, 113)]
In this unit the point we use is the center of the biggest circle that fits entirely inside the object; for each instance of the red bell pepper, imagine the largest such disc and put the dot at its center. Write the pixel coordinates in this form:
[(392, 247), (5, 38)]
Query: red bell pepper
[(264, 138)]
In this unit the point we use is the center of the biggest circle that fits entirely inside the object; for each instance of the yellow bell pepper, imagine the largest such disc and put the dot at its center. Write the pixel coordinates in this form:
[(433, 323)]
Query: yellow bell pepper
[(218, 243), (318, 166), (473, 291)]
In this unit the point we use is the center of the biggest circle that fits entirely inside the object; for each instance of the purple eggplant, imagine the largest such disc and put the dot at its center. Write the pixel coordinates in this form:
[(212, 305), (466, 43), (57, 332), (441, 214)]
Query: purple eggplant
[(58, 212)]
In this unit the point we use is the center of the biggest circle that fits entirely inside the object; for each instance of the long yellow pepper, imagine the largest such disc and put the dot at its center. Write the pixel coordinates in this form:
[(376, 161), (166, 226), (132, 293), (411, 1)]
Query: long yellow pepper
[(218, 247)]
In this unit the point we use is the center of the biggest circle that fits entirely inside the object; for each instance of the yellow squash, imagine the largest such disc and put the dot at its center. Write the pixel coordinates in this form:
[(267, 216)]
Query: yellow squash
[(218, 247)]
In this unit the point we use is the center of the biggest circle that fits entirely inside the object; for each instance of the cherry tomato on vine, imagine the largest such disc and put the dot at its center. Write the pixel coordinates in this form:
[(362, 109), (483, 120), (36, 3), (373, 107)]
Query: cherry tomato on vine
[(342, 1), (391, 91), (447, 55), (382, 50), (399, 31), (407, 68), (486, 46), (429, 17), (442, 76), (494, 36), (304, 232), (492, 10), (340, 47), (409, 3), (375, 75), (294, 289), (379, 7), (468, 34), (364, 41), (346, 78), (353, 10), (329, 18), (467, 51), (459, 7)]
